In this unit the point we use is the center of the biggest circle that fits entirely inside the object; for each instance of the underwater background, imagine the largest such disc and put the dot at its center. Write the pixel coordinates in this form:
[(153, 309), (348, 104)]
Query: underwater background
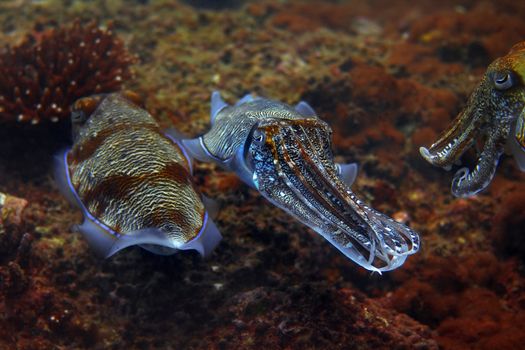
[(387, 76)]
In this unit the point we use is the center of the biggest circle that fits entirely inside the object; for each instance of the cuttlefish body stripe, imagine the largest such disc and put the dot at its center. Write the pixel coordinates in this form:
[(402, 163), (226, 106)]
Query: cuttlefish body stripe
[(133, 182), (121, 194), (285, 153)]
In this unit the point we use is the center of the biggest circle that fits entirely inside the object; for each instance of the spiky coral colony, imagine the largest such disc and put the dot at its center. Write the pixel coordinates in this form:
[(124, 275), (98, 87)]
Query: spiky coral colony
[(45, 74)]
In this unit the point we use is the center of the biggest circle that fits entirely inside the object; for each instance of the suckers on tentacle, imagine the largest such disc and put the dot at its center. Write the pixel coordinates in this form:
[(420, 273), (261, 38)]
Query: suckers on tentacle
[(285, 153), (132, 182), (495, 113)]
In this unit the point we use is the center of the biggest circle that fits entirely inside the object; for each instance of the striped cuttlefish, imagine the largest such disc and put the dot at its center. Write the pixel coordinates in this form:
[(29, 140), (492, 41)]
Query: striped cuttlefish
[(131, 181), (495, 117), (285, 153)]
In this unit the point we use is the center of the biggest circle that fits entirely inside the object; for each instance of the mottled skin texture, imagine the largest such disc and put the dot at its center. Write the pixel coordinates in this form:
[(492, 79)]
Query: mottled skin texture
[(128, 175), (286, 154), (495, 115)]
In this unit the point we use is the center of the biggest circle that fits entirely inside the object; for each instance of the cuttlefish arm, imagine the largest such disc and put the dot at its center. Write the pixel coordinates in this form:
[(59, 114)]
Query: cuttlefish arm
[(494, 116)]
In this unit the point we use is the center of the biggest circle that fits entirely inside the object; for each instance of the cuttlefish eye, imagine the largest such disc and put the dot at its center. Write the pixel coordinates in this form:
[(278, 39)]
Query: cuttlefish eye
[(83, 108), (503, 80)]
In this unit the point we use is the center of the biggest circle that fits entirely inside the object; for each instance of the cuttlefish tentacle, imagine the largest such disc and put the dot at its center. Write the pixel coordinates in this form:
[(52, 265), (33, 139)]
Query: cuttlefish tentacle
[(465, 182), (495, 114), (285, 153)]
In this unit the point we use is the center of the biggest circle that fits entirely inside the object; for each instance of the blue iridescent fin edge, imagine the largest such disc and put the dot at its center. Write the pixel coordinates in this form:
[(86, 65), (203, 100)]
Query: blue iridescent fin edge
[(151, 239), (347, 172), (197, 150), (245, 99), (305, 109), (155, 241), (100, 237), (217, 105)]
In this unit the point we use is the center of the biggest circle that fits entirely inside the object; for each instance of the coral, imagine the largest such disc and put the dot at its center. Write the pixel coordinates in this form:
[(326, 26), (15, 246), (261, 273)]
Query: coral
[(48, 71)]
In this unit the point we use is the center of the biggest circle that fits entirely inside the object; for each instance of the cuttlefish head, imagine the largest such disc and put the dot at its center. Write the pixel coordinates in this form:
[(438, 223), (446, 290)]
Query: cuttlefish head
[(494, 117), (293, 167)]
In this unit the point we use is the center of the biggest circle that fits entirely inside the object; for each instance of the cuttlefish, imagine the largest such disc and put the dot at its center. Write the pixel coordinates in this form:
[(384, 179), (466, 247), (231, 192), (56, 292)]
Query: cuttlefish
[(285, 153), (494, 117), (132, 181)]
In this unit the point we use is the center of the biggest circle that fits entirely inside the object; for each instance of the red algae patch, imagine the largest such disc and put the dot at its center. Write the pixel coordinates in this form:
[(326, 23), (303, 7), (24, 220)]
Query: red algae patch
[(303, 17), (507, 229)]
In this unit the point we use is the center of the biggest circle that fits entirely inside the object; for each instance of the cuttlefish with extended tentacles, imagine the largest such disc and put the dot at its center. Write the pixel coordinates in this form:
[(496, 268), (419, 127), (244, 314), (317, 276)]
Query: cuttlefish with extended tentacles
[(495, 114), (284, 152)]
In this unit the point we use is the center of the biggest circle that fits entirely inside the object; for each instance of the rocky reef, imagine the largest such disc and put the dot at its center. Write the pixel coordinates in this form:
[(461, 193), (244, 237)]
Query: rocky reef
[(387, 78)]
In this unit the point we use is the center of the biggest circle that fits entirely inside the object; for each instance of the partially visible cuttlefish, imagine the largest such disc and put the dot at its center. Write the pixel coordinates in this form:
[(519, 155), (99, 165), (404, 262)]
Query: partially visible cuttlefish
[(132, 182), (495, 114), (285, 153)]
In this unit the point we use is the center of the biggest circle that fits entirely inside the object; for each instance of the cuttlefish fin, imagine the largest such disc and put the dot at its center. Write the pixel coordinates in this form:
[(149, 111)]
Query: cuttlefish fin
[(217, 105), (151, 239), (62, 179), (197, 150), (99, 238), (245, 99), (347, 172), (211, 206), (305, 109), (156, 241), (206, 240)]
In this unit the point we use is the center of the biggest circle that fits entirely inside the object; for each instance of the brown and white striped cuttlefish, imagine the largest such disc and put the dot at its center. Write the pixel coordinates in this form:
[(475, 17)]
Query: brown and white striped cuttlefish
[(495, 116), (132, 182)]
